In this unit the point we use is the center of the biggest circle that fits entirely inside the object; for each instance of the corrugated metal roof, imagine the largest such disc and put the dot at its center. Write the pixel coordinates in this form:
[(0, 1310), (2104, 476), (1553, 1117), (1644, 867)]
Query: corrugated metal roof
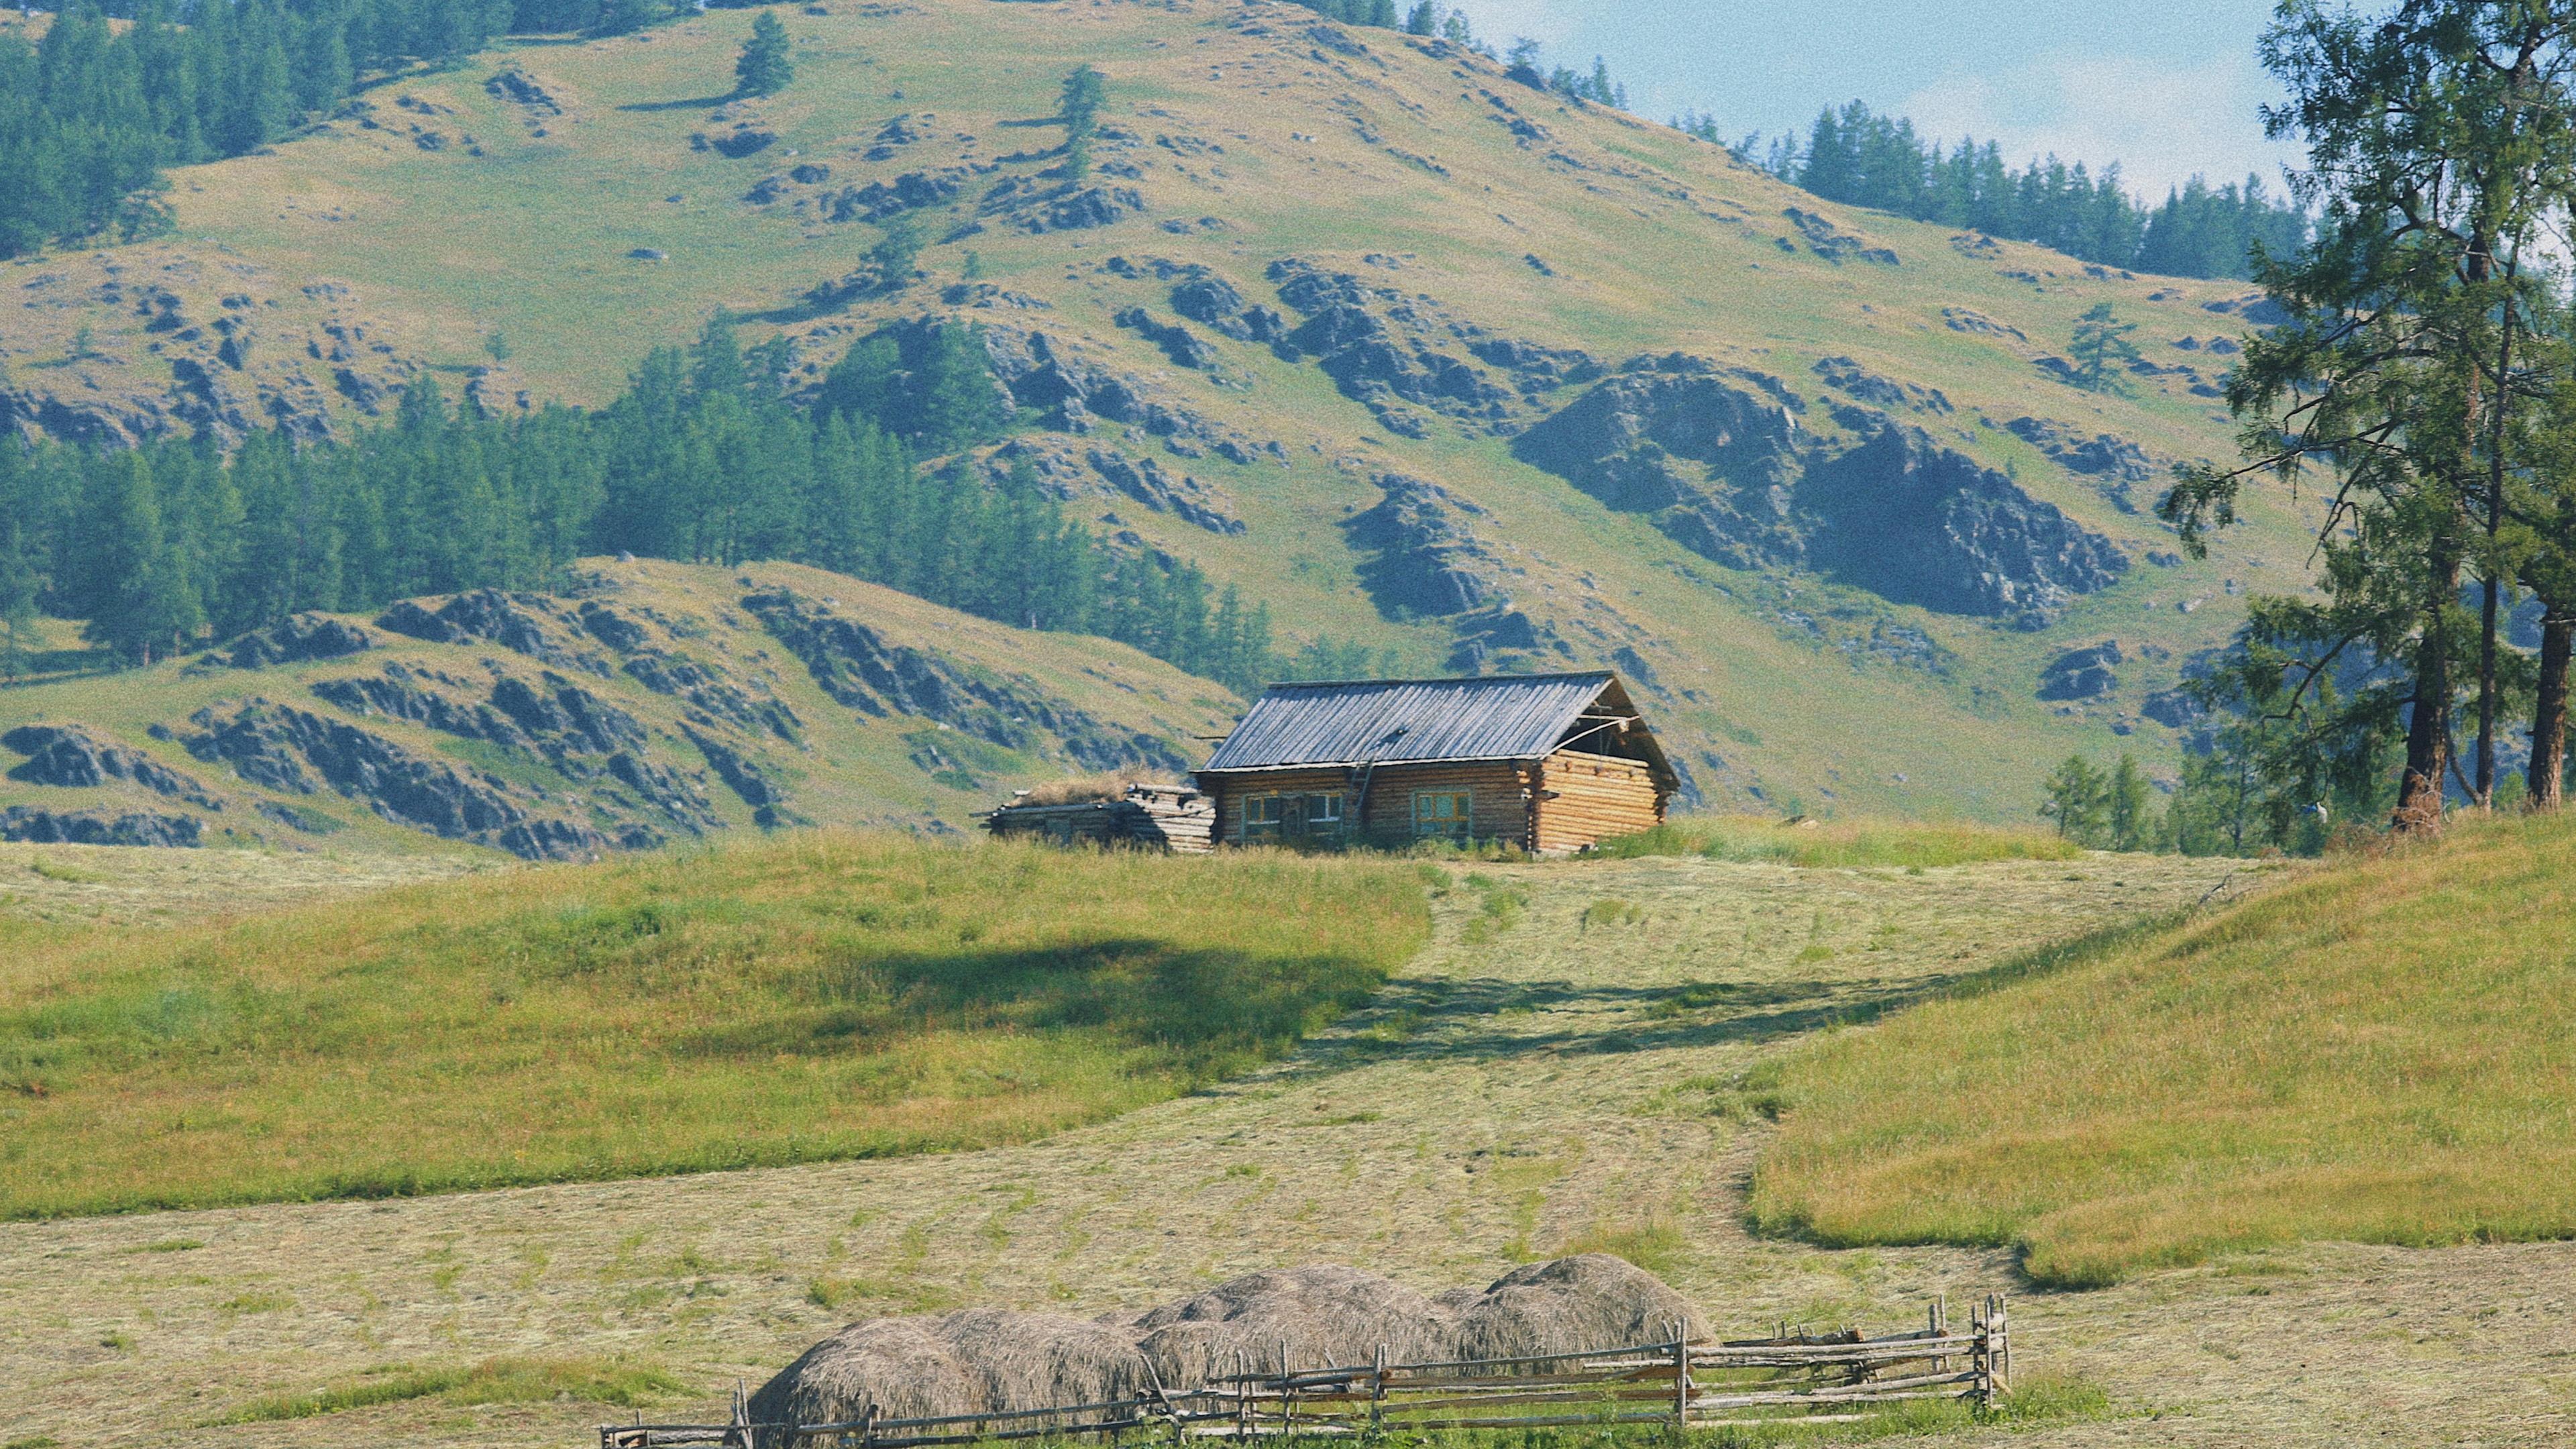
[(1505, 717)]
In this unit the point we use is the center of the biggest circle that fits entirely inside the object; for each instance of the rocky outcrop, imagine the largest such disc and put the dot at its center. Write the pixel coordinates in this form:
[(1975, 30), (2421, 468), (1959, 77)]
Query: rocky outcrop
[(1716, 457), (714, 696), (1976, 323), (1151, 484), (2082, 673), (1855, 381), (77, 827), (519, 88), (740, 774), (283, 748), (1710, 452), (2174, 709), (1371, 342), (1038, 371), (1833, 243), (880, 200), (1214, 303), (1180, 344), (1918, 523), (514, 621), (1037, 211), (857, 667), (2113, 463), (581, 735), (300, 639), (1427, 559), (68, 756)]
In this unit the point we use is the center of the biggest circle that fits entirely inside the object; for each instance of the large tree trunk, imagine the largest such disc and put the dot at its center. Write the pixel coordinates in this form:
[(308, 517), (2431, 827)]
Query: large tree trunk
[(2428, 731), (2549, 715), (2486, 776)]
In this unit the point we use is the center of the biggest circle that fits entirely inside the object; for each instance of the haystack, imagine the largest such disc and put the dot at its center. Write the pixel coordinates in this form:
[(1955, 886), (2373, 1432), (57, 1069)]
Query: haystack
[(974, 1361), (1568, 1305), (991, 1360), (1324, 1316)]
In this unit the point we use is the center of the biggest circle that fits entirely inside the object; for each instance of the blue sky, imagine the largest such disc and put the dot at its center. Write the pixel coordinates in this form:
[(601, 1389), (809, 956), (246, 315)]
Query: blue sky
[(2167, 87)]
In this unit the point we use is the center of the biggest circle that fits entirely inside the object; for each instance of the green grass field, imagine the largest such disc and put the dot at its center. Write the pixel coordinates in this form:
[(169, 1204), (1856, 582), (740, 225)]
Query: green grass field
[(2377, 1053), (813, 997)]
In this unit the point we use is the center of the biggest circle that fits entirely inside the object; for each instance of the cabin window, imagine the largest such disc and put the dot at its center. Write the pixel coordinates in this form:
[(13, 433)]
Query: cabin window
[(1262, 815), (1444, 815), (1313, 815)]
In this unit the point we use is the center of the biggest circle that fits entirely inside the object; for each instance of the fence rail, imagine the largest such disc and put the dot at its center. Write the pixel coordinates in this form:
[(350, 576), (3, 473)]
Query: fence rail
[(1691, 1384)]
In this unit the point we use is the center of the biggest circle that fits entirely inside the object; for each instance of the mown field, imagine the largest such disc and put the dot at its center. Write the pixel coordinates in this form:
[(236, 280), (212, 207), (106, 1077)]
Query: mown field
[(2380, 1054), (1752, 839), (813, 997), (1594, 1054)]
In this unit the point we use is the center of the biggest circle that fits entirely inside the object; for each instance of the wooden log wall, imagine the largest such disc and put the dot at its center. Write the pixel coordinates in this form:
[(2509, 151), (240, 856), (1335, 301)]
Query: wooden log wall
[(1583, 799), (1499, 794)]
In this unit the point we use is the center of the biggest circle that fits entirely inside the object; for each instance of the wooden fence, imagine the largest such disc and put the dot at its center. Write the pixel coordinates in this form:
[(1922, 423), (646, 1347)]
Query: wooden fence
[(1795, 1376)]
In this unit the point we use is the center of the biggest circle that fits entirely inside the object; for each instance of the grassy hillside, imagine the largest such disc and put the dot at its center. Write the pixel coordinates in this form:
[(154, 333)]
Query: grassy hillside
[(606, 219), (820, 996), (658, 702), (2376, 1053)]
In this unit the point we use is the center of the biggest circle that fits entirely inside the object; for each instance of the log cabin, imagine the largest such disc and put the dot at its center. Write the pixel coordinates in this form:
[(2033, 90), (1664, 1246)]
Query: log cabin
[(1551, 763)]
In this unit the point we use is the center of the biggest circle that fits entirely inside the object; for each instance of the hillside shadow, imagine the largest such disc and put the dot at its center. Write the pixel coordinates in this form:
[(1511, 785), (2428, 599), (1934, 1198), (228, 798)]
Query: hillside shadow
[(1469, 1018), (694, 103), (1206, 1007)]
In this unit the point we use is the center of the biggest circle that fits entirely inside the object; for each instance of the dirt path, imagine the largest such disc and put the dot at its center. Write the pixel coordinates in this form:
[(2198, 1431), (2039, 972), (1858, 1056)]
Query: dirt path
[(1549, 1075)]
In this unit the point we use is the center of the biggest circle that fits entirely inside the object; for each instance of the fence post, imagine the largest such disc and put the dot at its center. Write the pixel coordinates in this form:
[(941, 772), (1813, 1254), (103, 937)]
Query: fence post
[(1377, 1393), (1681, 1376), (1287, 1394), (1998, 1323)]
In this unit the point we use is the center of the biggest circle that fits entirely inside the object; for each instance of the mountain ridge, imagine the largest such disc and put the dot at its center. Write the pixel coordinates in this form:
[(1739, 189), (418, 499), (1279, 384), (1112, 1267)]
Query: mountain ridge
[(649, 703), (1308, 259)]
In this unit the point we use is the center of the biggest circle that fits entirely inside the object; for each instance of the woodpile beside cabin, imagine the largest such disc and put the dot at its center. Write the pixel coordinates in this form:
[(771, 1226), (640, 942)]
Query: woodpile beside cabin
[(1163, 817), (1551, 763)]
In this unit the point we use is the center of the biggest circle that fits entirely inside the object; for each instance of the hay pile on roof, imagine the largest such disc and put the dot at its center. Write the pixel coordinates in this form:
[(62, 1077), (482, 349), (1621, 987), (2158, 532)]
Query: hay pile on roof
[(990, 1360), (974, 1361), (1570, 1305), (1085, 788), (1323, 1316)]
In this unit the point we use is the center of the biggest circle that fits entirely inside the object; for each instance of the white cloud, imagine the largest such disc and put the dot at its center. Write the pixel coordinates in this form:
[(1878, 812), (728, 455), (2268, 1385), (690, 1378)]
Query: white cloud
[(2161, 122)]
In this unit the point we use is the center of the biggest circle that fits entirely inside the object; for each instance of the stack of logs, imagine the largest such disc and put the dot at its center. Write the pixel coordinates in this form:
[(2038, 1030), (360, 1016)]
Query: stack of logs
[(1156, 817)]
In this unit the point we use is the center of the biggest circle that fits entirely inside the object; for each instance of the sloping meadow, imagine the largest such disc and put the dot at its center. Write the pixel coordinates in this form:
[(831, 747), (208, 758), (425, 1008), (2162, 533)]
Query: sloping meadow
[(2379, 1053), (810, 997)]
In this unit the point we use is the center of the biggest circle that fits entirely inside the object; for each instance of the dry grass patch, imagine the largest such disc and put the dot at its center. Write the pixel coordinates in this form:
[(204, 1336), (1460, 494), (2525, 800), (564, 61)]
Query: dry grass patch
[(2377, 1053), (1814, 844), (813, 997)]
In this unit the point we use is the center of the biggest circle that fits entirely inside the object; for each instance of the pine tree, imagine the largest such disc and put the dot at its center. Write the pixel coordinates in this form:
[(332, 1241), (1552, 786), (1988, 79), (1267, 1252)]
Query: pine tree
[(1424, 19), (955, 402), (2076, 800), (624, 17), (2101, 345), (20, 578), (2435, 144), (764, 69), (147, 607), (2129, 807), (898, 249)]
